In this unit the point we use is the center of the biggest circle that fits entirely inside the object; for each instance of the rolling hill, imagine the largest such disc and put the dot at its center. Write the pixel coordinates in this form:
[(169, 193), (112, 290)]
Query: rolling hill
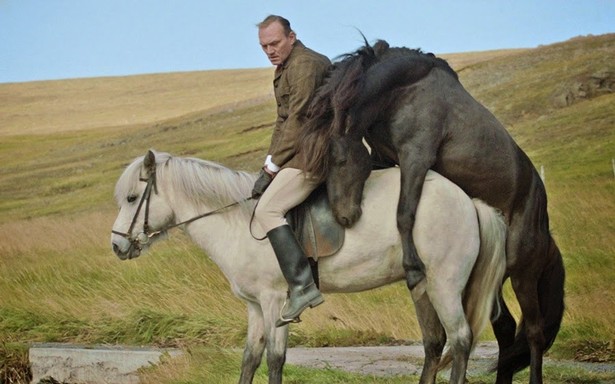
[(63, 144)]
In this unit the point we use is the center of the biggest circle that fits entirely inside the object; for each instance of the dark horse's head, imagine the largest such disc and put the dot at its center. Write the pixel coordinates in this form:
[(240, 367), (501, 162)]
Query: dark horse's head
[(323, 148), (349, 168), (359, 92)]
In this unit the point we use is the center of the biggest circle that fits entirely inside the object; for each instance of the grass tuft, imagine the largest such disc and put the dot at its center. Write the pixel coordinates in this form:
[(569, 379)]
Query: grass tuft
[(14, 365)]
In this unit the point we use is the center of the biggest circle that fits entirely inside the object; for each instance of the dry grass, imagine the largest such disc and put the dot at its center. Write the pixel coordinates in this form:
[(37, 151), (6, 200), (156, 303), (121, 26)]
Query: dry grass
[(65, 143), (67, 286), (43, 107), (46, 107), (461, 61)]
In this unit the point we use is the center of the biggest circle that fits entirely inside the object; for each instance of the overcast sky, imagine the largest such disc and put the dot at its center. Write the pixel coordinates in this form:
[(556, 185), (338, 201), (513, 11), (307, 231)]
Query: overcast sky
[(58, 39)]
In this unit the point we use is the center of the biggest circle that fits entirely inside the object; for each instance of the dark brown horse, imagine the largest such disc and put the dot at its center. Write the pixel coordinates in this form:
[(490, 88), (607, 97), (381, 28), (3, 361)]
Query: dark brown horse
[(413, 111)]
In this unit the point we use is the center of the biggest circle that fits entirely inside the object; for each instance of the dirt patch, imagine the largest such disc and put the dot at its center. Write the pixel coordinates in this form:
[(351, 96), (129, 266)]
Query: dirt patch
[(408, 360)]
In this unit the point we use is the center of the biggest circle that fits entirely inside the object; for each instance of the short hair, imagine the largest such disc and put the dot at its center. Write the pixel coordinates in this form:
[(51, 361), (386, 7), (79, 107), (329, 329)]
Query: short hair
[(272, 19)]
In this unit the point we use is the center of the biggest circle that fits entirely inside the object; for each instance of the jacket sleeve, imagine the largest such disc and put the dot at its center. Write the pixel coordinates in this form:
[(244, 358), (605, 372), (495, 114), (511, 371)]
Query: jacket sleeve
[(304, 78)]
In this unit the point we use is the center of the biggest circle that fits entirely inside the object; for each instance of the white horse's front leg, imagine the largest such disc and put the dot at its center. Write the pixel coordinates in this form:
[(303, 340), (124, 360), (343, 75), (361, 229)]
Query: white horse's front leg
[(255, 344), (277, 337)]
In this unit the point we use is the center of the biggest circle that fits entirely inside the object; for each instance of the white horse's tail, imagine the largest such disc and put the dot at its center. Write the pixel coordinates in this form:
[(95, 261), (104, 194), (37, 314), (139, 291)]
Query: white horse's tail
[(486, 279)]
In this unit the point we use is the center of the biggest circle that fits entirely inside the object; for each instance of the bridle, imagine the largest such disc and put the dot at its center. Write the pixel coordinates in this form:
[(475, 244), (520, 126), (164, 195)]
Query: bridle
[(145, 235)]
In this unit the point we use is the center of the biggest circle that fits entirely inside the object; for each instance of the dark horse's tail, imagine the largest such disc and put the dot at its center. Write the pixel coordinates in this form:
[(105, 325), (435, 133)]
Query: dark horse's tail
[(551, 296)]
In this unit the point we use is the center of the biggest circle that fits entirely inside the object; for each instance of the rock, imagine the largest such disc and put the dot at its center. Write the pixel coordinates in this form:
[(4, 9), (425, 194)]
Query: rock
[(62, 363), (586, 87)]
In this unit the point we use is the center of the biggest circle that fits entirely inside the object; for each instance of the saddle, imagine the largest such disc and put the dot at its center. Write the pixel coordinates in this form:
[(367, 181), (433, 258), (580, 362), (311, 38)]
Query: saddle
[(313, 223), (315, 227)]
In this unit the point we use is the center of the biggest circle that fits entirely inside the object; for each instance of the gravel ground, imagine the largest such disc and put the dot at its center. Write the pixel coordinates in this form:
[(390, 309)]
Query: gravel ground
[(406, 359)]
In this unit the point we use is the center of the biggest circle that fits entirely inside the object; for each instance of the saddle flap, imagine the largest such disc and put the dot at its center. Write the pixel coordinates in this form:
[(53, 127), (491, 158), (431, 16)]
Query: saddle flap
[(315, 226)]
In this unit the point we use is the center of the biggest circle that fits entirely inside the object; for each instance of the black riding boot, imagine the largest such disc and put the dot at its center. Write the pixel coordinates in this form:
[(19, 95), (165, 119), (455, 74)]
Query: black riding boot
[(302, 292)]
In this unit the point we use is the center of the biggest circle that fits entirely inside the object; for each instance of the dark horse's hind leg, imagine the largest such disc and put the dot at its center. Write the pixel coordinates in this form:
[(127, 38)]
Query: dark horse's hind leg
[(527, 258), (537, 277), (504, 329), (526, 292)]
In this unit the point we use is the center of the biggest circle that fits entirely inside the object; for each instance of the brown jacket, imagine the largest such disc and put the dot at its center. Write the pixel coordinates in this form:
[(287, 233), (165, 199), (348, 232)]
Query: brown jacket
[(294, 85)]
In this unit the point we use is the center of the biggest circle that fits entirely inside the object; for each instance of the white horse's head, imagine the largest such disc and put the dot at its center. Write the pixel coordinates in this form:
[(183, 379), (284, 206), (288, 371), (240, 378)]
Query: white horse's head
[(144, 208)]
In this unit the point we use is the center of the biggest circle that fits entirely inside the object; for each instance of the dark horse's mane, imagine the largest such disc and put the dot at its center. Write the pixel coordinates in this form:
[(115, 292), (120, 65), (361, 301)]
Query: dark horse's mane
[(369, 73)]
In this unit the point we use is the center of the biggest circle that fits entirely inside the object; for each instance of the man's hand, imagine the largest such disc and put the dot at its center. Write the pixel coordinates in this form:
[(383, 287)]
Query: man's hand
[(261, 184)]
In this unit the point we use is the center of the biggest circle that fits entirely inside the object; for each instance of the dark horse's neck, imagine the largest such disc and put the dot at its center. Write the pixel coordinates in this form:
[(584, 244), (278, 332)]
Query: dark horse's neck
[(397, 68), (366, 75), (356, 91)]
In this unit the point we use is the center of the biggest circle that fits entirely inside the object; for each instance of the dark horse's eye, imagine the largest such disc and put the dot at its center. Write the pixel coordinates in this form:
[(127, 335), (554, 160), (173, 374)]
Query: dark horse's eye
[(341, 161), (131, 198)]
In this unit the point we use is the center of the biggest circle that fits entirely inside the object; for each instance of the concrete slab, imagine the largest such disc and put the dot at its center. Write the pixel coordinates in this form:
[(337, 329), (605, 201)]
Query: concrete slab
[(77, 364)]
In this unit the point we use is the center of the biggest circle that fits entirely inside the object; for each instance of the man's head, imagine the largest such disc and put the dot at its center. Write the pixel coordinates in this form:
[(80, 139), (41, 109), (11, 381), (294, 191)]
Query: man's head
[(276, 38)]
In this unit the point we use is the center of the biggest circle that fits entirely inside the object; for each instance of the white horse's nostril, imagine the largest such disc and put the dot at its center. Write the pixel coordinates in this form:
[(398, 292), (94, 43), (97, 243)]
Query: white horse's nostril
[(119, 252), (122, 253)]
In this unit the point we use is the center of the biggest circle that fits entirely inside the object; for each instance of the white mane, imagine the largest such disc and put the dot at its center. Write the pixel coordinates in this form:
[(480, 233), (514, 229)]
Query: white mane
[(200, 181)]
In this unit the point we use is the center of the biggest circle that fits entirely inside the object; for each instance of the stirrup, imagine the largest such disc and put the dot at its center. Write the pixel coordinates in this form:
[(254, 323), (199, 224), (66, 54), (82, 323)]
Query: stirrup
[(282, 321)]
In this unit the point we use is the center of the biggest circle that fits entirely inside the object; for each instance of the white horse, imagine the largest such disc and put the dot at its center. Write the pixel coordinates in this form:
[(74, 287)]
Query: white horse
[(461, 242)]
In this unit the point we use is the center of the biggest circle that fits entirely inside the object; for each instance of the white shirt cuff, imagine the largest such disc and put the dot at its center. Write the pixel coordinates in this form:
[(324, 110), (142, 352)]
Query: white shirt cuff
[(270, 165)]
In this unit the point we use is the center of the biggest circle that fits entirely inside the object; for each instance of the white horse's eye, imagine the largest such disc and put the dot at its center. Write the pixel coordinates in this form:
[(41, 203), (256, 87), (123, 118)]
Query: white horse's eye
[(131, 198)]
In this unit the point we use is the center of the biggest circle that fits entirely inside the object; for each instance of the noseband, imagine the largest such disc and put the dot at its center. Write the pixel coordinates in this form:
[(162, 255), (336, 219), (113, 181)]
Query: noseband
[(145, 235)]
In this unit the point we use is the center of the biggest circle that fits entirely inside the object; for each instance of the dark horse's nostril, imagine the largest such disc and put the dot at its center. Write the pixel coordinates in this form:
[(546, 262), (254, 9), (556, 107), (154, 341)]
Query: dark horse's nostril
[(116, 249), (345, 221), (352, 218)]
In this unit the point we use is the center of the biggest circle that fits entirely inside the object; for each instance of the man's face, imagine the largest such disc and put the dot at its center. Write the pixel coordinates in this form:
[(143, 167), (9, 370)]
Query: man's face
[(275, 44)]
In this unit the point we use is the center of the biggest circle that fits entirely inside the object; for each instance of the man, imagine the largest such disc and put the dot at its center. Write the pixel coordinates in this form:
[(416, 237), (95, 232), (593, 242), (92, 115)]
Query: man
[(282, 185)]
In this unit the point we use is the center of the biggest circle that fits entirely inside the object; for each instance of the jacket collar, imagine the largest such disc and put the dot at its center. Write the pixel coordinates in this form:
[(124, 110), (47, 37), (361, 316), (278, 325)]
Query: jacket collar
[(298, 44)]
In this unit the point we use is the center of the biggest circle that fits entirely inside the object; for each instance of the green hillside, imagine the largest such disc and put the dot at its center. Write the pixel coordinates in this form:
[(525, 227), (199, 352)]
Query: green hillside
[(59, 280)]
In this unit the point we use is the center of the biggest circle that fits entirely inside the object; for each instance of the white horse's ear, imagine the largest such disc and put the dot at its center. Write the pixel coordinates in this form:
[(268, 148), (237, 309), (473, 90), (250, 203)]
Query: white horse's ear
[(149, 163)]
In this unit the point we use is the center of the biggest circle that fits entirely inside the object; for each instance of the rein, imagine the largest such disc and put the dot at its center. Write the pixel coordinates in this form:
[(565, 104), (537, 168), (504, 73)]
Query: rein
[(207, 214), (144, 237)]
